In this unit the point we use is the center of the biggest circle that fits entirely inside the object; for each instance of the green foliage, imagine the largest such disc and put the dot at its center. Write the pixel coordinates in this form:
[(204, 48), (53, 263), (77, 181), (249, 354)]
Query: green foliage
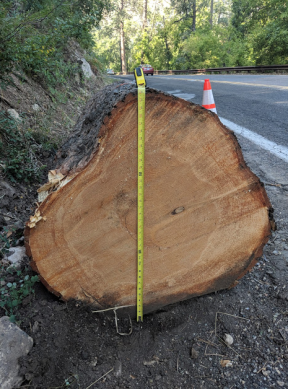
[(262, 27), (204, 51), (107, 49), (34, 34), (187, 35), (17, 147), (12, 293), (168, 41), (155, 45), (7, 239)]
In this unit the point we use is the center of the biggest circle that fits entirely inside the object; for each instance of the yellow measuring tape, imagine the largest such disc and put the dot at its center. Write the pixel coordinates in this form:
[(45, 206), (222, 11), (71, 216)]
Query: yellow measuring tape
[(140, 81)]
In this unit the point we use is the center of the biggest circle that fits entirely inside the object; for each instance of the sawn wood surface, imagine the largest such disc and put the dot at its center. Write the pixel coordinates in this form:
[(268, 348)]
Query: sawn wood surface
[(206, 214)]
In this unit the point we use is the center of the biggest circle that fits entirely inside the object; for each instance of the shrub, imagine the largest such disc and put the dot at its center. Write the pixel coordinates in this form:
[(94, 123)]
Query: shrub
[(34, 33), (13, 293), (19, 161)]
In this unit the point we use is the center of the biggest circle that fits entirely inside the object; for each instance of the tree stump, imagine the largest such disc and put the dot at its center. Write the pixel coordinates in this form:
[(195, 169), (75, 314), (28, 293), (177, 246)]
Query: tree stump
[(206, 214)]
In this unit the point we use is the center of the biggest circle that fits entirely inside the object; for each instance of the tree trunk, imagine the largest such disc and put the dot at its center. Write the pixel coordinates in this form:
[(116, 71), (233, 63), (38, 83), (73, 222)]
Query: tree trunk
[(211, 14), (122, 41), (206, 214), (144, 26), (167, 51), (144, 17), (194, 16)]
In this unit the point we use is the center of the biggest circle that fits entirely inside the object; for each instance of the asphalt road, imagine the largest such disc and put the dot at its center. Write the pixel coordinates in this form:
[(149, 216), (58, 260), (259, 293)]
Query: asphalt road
[(257, 102)]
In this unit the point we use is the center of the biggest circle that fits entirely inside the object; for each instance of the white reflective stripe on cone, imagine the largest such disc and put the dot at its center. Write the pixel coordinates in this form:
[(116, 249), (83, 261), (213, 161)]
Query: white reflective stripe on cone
[(208, 97), (208, 100)]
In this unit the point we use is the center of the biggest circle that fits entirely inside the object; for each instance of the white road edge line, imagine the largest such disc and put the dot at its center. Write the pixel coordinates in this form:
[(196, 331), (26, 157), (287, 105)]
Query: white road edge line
[(273, 148), (278, 150)]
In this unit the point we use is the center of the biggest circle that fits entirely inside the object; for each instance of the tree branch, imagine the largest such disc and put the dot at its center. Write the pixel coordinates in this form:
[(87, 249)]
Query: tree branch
[(179, 20), (22, 24)]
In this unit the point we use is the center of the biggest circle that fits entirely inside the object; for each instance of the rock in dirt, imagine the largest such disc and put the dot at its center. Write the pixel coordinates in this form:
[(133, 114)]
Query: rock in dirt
[(194, 353), (86, 68), (35, 327), (2, 221), (6, 189), (15, 255), (14, 114), (281, 383), (228, 339), (36, 107), (118, 368), (14, 343)]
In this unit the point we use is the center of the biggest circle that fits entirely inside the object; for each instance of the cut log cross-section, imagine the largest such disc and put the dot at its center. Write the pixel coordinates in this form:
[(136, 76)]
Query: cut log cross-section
[(206, 215)]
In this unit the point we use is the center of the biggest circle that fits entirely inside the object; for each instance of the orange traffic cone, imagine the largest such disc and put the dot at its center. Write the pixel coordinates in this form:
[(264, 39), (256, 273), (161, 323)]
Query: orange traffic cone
[(208, 99)]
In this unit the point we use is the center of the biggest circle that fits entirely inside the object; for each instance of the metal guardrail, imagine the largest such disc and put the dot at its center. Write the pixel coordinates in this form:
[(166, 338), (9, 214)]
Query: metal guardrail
[(236, 69)]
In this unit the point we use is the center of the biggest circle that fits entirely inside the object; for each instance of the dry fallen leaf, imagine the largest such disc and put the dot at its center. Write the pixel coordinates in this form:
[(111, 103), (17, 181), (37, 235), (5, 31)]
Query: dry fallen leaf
[(225, 363)]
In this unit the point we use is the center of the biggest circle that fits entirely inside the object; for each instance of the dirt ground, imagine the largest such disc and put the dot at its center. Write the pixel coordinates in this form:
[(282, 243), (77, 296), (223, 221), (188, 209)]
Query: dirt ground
[(180, 346)]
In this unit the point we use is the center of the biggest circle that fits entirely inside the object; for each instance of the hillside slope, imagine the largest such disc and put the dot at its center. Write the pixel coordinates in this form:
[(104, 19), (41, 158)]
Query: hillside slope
[(34, 120)]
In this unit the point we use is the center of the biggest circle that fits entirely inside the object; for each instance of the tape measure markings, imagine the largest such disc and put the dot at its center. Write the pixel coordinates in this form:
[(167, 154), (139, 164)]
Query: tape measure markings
[(140, 200), (141, 84)]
